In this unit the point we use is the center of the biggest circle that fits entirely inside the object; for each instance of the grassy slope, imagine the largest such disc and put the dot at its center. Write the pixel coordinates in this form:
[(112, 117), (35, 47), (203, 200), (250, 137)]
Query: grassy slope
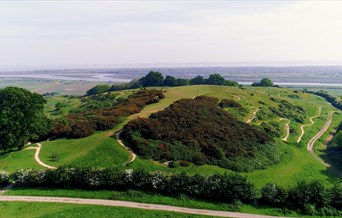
[(70, 103), (145, 197), (24, 209), (96, 150), (101, 150), (18, 160)]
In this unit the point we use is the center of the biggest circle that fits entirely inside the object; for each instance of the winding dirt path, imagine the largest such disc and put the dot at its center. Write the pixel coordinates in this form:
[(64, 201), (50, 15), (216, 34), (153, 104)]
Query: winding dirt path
[(238, 98), (311, 143), (312, 122), (36, 156), (129, 204), (253, 116), (131, 153), (287, 128)]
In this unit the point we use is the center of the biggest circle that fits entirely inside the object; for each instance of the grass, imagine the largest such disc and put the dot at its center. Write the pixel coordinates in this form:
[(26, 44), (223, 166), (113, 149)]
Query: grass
[(18, 160), (24, 209), (97, 150), (101, 150), (70, 103), (147, 197)]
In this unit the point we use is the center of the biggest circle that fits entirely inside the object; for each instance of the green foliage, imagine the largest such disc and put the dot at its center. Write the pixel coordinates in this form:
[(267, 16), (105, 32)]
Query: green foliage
[(22, 117), (152, 79), (331, 99), (229, 103), (265, 82), (289, 111), (217, 79), (198, 80), (227, 187), (84, 122), (99, 89), (198, 131), (274, 195), (60, 105), (4, 177)]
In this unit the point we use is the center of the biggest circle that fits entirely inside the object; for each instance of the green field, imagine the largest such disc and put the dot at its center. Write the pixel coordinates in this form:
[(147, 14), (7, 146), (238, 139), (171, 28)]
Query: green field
[(147, 197), (18, 160), (23, 209)]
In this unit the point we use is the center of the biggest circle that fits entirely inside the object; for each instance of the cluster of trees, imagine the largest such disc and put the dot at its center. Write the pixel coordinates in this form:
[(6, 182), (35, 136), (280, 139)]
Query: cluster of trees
[(155, 79), (331, 99), (82, 123), (197, 130), (226, 188), (22, 118), (265, 82), (311, 198)]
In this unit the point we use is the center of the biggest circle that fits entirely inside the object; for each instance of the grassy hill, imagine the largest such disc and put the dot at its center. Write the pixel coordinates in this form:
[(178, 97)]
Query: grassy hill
[(198, 131), (102, 150)]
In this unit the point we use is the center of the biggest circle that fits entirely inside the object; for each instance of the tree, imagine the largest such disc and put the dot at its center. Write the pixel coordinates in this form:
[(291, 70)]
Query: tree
[(198, 80), (99, 89), (152, 79), (216, 79), (182, 82), (265, 82), (170, 81), (22, 117)]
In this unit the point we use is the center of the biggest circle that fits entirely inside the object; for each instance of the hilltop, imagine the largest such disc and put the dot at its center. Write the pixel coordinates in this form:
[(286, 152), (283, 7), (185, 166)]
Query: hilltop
[(198, 131)]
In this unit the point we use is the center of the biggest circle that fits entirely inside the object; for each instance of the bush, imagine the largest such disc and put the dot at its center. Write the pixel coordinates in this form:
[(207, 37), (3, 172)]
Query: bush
[(4, 177), (197, 130), (274, 195), (228, 187), (184, 163)]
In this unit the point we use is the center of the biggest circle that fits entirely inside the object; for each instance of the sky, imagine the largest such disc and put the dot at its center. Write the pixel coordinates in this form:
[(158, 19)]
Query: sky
[(91, 34)]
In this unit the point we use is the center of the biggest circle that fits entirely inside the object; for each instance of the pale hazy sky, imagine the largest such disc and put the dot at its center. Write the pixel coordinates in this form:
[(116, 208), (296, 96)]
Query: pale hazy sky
[(67, 34)]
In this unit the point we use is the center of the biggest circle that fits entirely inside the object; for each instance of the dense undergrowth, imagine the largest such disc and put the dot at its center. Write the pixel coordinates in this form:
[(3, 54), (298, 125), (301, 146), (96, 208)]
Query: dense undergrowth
[(85, 120), (197, 130)]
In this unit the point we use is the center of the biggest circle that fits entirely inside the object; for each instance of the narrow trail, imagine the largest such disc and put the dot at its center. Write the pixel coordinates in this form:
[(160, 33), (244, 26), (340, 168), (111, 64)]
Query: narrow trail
[(237, 97), (311, 143), (129, 204), (287, 128), (131, 153), (253, 116), (36, 156), (312, 122)]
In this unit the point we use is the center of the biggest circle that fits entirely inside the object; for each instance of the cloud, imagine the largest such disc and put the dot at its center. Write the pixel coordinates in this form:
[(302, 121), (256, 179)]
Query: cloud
[(76, 33)]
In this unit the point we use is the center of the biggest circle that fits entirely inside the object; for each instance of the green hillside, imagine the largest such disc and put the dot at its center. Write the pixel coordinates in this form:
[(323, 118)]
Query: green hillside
[(102, 149)]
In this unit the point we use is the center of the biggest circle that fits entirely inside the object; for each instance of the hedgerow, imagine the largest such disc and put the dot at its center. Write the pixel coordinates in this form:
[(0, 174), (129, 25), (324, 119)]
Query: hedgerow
[(226, 187)]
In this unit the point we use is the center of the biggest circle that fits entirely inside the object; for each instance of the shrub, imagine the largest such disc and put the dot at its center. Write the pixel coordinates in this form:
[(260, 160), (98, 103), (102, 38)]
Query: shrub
[(184, 163), (274, 195), (4, 177), (198, 131)]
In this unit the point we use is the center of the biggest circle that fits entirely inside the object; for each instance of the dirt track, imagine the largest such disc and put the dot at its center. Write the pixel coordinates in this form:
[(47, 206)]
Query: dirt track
[(130, 205), (311, 143), (287, 128), (312, 122), (253, 116), (36, 156), (131, 153)]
